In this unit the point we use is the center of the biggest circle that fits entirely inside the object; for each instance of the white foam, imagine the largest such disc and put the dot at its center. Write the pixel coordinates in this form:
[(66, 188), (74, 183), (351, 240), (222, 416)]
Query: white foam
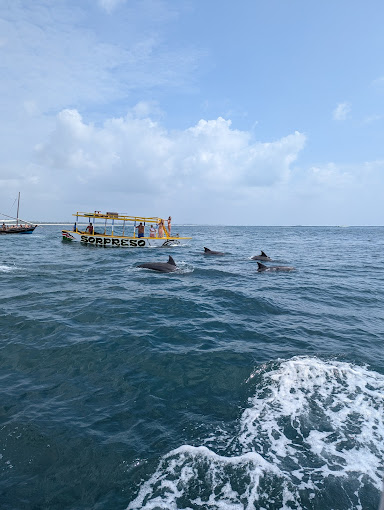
[(200, 468), (334, 410), (6, 269), (311, 425)]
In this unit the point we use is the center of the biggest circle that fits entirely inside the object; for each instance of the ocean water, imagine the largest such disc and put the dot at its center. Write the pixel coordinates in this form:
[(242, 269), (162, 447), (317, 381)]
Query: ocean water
[(215, 387)]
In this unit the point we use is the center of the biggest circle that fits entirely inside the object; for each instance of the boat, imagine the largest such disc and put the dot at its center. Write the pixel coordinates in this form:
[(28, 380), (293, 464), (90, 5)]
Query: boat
[(21, 227), (17, 229), (119, 229)]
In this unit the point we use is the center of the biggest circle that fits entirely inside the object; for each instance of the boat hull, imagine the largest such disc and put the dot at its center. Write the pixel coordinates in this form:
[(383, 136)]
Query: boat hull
[(18, 230), (122, 241)]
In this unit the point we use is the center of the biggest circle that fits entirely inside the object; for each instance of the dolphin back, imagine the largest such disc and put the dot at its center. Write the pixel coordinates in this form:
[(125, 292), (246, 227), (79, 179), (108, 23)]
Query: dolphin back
[(261, 266), (207, 251), (171, 261), (163, 267)]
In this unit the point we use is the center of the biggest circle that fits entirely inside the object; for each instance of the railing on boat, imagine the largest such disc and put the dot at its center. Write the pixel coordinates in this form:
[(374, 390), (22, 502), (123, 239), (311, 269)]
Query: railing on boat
[(120, 217)]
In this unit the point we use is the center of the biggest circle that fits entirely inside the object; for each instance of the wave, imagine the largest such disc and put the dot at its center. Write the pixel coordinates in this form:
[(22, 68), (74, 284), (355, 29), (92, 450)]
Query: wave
[(313, 434)]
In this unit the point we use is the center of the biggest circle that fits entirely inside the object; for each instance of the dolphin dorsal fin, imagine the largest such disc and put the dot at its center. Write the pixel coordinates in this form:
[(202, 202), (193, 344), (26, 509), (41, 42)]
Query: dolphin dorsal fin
[(261, 266), (171, 261), (263, 254), (206, 249)]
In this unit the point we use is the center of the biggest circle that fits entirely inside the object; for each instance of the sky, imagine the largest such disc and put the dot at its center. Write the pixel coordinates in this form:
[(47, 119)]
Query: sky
[(211, 111)]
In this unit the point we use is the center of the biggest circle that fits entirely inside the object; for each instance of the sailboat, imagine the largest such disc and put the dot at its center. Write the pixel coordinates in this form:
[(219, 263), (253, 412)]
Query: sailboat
[(21, 227)]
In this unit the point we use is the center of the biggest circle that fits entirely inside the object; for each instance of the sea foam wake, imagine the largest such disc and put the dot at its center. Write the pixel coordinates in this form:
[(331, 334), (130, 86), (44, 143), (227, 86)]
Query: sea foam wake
[(313, 429)]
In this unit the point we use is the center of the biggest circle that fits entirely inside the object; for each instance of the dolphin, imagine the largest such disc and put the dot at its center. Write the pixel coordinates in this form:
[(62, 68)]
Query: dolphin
[(207, 251), (263, 256), (262, 267), (162, 267)]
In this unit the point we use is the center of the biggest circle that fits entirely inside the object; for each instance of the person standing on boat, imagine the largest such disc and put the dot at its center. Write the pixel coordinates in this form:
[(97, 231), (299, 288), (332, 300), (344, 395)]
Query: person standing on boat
[(4, 227), (90, 228), (152, 231), (169, 225), (160, 231), (140, 230)]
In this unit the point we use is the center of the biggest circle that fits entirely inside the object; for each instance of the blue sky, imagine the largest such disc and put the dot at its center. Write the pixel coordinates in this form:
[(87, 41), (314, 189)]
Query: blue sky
[(250, 112)]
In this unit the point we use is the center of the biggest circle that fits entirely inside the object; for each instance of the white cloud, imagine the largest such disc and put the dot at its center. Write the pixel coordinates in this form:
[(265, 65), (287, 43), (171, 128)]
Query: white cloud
[(208, 156), (342, 111), (135, 165), (110, 5)]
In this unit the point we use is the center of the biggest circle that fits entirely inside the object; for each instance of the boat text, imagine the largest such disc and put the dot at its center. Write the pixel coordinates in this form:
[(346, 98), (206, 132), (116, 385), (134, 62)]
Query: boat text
[(105, 241)]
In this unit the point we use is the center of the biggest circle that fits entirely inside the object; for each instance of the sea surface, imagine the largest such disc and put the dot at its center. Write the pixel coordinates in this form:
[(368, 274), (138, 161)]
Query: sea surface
[(215, 387)]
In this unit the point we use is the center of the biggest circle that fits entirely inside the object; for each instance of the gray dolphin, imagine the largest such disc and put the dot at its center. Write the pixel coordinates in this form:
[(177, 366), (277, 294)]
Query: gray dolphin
[(262, 267), (263, 256), (207, 251), (163, 267)]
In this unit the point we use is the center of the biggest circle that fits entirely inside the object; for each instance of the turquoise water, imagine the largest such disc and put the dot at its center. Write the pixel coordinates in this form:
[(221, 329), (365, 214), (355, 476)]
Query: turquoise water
[(213, 387)]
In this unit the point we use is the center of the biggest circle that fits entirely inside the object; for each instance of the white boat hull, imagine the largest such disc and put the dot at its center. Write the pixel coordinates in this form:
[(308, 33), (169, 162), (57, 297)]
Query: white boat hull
[(122, 241)]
